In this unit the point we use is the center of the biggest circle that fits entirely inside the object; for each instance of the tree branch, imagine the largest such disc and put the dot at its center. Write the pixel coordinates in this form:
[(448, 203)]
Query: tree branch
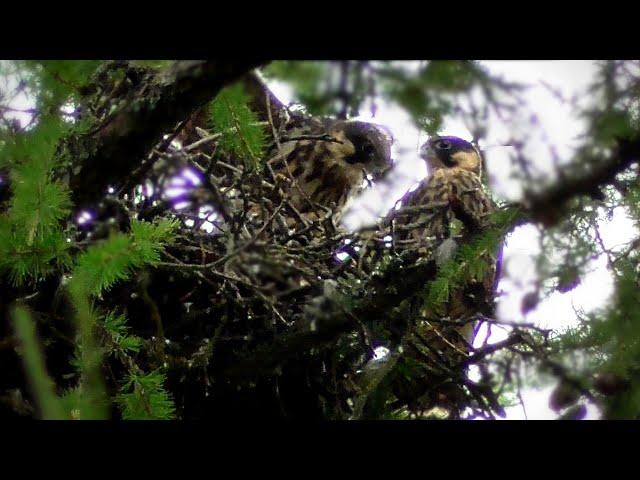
[(158, 103), (548, 207)]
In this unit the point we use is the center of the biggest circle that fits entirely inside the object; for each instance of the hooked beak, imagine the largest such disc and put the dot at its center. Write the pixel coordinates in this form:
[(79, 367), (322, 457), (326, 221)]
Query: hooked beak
[(426, 151)]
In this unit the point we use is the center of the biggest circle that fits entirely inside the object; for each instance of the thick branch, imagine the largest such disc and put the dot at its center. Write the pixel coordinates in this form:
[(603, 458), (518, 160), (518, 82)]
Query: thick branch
[(547, 207), (159, 102)]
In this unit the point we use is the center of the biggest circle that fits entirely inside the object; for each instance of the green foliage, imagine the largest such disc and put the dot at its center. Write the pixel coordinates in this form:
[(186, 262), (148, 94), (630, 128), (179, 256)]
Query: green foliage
[(452, 76), (43, 387), (56, 82), (96, 270), (471, 261), (103, 265), (439, 288), (308, 82), (117, 257), (429, 94), (427, 91), (632, 201), (32, 242), (242, 134), (116, 326), (569, 247), (614, 331), (38, 207), (30, 262), (93, 399), (621, 330), (71, 402), (144, 397), (147, 398), (35, 148), (611, 125)]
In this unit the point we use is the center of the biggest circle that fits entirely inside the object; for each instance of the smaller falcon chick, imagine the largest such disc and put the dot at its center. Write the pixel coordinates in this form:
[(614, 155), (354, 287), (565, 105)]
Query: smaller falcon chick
[(446, 209), (453, 190)]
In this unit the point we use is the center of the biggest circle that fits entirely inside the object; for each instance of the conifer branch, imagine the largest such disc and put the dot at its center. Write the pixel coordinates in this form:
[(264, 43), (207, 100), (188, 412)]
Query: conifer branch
[(160, 101), (547, 206)]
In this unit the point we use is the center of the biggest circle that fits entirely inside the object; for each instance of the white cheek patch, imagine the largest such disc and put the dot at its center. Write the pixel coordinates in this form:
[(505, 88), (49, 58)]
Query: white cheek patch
[(467, 160)]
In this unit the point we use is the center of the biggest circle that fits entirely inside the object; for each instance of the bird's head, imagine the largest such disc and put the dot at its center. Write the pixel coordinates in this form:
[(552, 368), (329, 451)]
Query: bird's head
[(372, 146), (450, 152)]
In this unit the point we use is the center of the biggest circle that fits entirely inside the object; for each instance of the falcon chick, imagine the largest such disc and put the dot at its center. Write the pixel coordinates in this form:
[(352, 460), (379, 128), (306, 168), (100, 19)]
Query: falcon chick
[(325, 163), (449, 204), (452, 191)]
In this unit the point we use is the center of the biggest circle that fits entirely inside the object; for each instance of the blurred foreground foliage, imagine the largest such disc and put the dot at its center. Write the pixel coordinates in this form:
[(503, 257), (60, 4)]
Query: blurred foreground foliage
[(80, 307)]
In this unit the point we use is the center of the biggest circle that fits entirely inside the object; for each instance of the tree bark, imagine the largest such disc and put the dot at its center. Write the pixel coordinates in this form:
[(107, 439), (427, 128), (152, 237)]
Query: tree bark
[(118, 146)]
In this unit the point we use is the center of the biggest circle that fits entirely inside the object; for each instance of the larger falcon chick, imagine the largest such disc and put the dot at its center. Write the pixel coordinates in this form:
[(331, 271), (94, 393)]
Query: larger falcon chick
[(325, 163)]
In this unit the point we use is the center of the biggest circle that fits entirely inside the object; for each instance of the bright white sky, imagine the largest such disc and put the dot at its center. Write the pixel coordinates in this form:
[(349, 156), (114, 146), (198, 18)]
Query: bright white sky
[(544, 122)]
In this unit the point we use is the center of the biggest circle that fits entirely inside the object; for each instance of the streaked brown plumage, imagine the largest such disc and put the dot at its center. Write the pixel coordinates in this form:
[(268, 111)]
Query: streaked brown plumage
[(318, 166), (453, 205), (324, 164), (453, 191)]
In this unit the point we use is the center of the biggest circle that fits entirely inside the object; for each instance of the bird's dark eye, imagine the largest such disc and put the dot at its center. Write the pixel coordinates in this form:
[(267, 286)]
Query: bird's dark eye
[(443, 145), (369, 150)]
